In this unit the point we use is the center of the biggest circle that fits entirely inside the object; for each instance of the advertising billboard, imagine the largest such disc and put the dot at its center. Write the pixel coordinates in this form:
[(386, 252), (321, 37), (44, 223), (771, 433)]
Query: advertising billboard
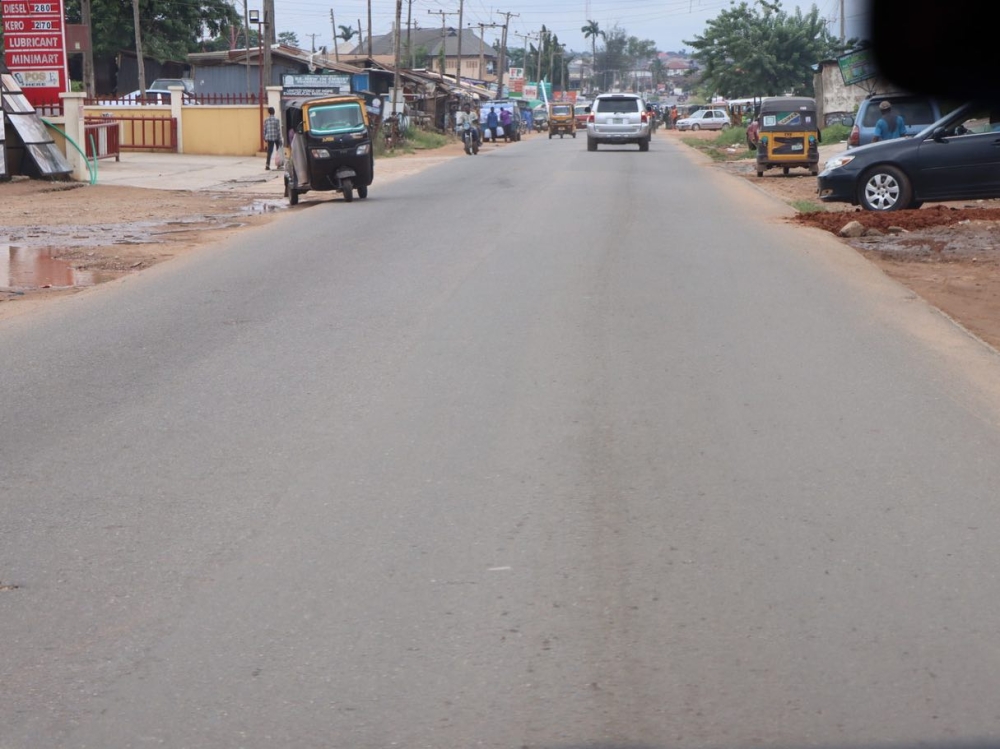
[(35, 48)]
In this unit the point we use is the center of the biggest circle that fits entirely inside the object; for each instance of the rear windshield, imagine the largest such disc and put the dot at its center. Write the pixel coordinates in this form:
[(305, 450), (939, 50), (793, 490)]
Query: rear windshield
[(915, 111), (336, 118), (789, 119), (560, 110), (618, 105)]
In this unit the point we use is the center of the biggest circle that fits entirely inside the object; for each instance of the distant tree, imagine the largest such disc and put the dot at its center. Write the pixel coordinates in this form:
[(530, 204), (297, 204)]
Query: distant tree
[(288, 38), (758, 49), (592, 31), (346, 33), (170, 28)]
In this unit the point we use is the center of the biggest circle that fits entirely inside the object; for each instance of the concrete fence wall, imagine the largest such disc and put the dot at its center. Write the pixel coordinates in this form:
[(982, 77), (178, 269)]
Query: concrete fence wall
[(226, 130)]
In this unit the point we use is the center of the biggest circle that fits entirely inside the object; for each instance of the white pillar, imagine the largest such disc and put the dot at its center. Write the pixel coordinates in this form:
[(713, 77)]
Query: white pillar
[(176, 102), (73, 127)]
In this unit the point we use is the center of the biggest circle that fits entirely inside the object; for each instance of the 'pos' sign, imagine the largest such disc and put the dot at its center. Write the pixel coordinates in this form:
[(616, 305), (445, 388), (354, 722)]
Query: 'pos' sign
[(35, 47)]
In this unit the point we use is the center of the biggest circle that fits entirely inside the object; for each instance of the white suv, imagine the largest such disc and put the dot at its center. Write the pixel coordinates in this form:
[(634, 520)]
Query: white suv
[(618, 118)]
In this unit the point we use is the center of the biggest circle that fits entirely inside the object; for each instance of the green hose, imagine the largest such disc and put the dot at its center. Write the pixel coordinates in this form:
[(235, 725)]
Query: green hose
[(92, 169)]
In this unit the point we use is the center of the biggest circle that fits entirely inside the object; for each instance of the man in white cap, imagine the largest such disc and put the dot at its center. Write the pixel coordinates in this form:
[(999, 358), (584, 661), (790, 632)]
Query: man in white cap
[(889, 125)]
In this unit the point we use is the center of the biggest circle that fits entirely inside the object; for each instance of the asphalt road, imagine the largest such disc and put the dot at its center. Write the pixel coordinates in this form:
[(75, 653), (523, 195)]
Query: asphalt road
[(541, 448)]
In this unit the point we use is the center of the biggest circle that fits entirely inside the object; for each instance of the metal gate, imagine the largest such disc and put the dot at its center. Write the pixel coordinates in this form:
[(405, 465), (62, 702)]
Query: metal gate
[(147, 132)]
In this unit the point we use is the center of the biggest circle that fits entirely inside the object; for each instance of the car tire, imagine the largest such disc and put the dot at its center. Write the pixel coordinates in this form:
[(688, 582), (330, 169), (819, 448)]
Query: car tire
[(591, 144), (884, 188), (725, 125), (695, 127), (574, 133), (362, 191), (644, 144), (348, 190)]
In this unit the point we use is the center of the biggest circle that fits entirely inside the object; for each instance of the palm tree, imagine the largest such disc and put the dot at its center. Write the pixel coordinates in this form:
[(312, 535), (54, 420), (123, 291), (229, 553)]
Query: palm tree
[(591, 31), (346, 33)]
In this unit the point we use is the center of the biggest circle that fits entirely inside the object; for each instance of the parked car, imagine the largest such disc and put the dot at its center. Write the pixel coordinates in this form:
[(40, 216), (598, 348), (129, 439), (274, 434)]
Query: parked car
[(618, 118), (956, 158), (582, 110), (918, 112), (164, 83), (153, 96), (705, 119)]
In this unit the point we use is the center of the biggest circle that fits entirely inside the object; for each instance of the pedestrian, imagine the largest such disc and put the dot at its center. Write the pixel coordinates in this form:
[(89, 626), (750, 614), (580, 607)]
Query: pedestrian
[(673, 117), (272, 135), (491, 124), (889, 125), (505, 120)]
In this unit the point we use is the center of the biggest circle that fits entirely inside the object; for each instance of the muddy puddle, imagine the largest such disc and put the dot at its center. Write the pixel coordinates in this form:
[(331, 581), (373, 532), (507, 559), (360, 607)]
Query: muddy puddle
[(30, 268)]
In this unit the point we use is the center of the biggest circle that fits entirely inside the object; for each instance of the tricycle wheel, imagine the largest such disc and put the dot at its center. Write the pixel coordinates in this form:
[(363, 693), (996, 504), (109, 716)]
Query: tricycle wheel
[(574, 133), (550, 136), (293, 196), (760, 173), (348, 191), (362, 191), (784, 170)]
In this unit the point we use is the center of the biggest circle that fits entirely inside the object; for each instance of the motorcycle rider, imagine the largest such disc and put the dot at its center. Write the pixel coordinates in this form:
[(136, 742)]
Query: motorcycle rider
[(466, 115)]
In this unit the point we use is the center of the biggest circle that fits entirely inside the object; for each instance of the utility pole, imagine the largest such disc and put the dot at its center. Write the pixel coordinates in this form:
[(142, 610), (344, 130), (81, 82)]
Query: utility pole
[(312, 42), (524, 59), (409, 22), (541, 46), (503, 50), (369, 28), (246, 39), (461, 31), (361, 38), (336, 44), (268, 42), (88, 52), (396, 83), (842, 36), (444, 36), (482, 48), (138, 49)]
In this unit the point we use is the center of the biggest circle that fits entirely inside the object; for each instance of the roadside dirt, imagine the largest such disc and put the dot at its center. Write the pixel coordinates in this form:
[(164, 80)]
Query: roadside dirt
[(948, 253)]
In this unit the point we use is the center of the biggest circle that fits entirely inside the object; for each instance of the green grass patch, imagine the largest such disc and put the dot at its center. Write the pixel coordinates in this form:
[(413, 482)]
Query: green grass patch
[(806, 206), (835, 133), (416, 140), (728, 145)]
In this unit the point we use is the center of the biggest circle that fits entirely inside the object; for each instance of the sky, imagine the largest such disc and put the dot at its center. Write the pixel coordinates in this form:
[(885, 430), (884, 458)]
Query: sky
[(667, 22)]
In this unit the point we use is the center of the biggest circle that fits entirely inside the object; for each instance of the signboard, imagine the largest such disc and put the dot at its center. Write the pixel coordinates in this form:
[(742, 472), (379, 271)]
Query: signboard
[(35, 48), (857, 66), (531, 91), (515, 73), (315, 84)]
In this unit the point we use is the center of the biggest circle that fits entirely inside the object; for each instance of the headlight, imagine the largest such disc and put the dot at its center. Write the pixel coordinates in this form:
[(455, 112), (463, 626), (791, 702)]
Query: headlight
[(319, 153), (839, 161), (363, 149)]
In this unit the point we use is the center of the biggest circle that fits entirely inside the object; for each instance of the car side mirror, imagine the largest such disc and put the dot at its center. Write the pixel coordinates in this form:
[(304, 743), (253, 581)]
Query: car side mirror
[(938, 134), (300, 128)]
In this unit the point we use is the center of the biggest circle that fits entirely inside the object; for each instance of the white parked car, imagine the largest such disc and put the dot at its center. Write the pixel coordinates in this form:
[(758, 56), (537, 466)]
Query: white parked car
[(705, 119), (153, 96)]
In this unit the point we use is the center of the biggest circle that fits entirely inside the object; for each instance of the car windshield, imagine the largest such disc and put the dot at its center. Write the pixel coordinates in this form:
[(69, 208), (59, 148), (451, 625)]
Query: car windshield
[(560, 110), (336, 118), (622, 104)]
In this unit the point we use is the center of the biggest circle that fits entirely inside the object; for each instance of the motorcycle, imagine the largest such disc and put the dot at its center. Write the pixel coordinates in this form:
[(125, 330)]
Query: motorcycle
[(470, 140)]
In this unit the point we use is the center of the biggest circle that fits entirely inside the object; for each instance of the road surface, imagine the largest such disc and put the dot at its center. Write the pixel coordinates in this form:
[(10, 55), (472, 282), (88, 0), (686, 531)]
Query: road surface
[(542, 448)]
